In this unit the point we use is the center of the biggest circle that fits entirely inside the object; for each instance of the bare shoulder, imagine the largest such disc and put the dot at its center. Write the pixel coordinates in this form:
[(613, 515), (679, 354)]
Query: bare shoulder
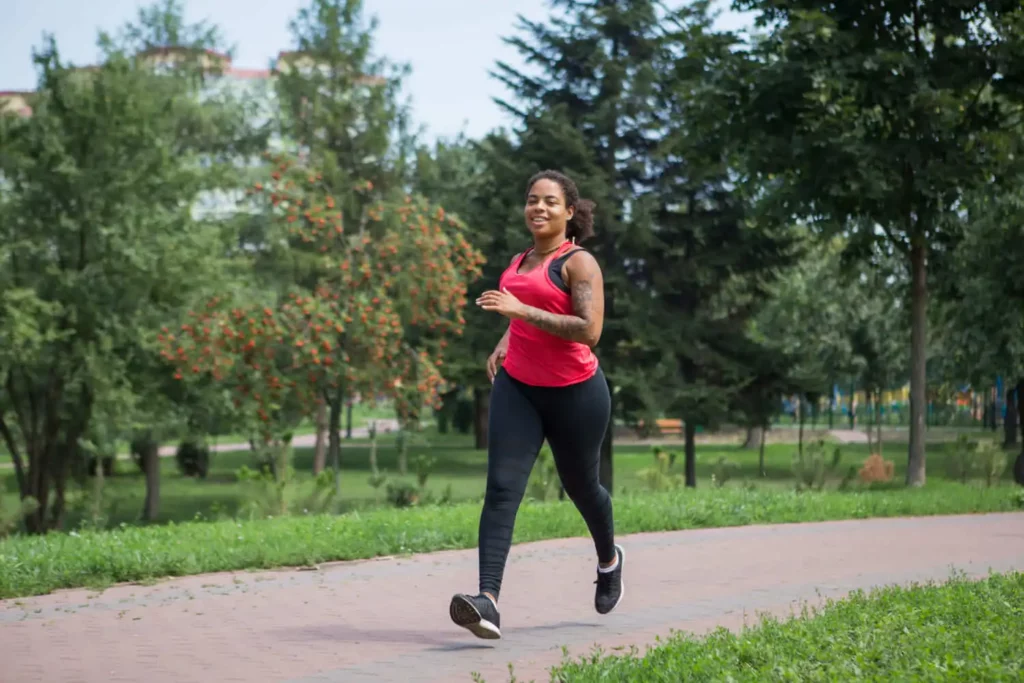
[(581, 266)]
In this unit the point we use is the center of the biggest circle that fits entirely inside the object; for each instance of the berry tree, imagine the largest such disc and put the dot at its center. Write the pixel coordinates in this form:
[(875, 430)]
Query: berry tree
[(390, 291)]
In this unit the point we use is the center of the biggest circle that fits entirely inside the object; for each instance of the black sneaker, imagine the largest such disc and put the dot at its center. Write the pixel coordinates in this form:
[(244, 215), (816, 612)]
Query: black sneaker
[(477, 614), (609, 586)]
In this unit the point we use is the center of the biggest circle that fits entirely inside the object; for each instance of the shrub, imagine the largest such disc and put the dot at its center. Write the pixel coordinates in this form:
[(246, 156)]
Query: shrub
[(810, 467), (544, 477), (660, 477), (403, 494), (991, 460), (876, 469), (961, 465), (723, 471), (193, 458)]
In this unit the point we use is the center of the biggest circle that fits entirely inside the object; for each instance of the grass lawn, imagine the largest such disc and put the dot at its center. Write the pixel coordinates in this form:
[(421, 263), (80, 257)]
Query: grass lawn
[(38, 564), (958, 631), (457, 465)]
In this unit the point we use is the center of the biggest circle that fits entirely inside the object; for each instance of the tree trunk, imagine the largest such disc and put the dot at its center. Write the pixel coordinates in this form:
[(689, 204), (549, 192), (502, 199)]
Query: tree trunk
[(403, 450), (1020, 411), (481, 415), (97, 491), (690, 449), (348, 420), (853, 405), (800, 412), (760, 454), (1010, 423), (334, 437), (151, 466), (868, 395), (755, 437), (371, 429), (918, 361), (831, 405), (320, 449), (878, 422), (994, 412)]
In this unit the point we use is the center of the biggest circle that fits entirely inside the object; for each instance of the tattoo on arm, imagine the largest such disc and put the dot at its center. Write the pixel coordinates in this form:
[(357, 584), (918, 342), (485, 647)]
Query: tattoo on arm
[(583, 327)]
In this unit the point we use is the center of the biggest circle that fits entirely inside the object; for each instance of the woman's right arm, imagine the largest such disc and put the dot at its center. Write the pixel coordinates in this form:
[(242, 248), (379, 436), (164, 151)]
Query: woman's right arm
[(497, 357)]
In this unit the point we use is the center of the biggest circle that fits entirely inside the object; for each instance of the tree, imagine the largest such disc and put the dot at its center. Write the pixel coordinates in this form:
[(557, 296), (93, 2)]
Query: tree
[(100, 244), (376, 323), (710, 257), (339, 109), (878, 118), (803, 328), (980, 315)]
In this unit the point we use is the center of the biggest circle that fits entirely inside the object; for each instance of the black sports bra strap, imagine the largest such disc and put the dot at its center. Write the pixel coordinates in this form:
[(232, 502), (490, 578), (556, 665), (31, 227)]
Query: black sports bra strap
[(555, 268), (560, 261)]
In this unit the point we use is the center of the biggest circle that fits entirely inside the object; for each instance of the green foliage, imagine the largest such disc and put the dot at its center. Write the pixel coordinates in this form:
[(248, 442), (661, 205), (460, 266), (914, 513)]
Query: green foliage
[(813, 468), (877, 121), (38, 564), (960, 630), (271, 492), (724, 470), (544, 482), (977, 457), (660, 477), (104, 240), (13, 511)]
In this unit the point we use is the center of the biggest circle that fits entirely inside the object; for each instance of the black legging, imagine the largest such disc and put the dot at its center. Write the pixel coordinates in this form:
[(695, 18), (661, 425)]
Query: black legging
[(573, 419)]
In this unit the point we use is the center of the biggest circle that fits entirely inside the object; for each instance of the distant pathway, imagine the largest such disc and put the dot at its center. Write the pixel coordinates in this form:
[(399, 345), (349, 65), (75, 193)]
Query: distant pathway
[(298, 441), (849, 436), (387, 620)]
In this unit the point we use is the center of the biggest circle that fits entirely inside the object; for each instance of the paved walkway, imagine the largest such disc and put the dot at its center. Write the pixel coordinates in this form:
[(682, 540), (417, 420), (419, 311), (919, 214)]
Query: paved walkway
[(387, 620)]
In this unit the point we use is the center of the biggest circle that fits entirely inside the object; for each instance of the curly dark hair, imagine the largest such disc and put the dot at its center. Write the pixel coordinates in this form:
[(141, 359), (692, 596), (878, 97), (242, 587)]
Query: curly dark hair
[(581, 226)]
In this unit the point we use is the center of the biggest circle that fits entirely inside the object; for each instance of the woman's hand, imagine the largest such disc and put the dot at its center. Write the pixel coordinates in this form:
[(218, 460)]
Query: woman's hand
[(503, 302), (494, 362)]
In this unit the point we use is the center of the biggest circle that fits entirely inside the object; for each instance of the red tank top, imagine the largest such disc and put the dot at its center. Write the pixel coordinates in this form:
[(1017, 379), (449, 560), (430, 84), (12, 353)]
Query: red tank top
[(536, 357)]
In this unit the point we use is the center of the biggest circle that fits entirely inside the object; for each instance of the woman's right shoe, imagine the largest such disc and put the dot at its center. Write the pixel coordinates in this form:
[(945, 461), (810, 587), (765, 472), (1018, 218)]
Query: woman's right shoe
[(477, 614)]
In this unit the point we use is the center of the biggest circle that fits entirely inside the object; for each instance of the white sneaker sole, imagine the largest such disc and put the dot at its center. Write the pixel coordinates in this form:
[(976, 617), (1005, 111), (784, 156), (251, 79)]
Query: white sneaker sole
[(465, 614)]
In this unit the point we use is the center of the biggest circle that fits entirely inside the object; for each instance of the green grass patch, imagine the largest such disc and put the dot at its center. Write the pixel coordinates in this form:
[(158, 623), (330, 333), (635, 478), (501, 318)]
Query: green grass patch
[(458, 468), (958, 631), (35, 565)]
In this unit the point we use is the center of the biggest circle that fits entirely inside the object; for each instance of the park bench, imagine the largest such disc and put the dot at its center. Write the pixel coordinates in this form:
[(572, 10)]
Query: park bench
[(666, 426)]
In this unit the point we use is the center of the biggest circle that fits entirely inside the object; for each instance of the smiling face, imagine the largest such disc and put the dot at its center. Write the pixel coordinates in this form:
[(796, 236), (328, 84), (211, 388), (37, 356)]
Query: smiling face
[(545, 212)]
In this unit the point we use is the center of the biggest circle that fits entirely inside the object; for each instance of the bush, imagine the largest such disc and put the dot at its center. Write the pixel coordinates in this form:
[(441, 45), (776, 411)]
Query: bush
[(991, 460), (811, 469), (659, 477), (876, 469), (544, 480), (403, 494), (193, 458)]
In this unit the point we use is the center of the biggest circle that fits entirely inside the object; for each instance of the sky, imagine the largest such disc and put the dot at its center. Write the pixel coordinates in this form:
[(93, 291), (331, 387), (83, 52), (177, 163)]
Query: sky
[(450, 45)]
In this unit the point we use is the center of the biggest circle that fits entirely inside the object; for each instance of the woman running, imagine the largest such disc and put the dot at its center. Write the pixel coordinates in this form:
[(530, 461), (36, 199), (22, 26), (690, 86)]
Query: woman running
[(546, 385)]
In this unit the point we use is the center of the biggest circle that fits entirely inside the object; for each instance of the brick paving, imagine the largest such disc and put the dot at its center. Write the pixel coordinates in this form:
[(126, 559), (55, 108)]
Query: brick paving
[(387, 620)]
